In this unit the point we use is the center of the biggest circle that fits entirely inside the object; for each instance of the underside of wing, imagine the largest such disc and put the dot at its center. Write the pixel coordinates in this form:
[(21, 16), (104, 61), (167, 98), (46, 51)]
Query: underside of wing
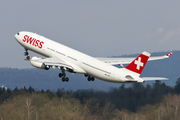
[(53, 62), (56, 62)]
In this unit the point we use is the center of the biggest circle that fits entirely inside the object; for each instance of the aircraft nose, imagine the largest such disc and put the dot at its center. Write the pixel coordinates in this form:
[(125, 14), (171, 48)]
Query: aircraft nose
[(16, 36)]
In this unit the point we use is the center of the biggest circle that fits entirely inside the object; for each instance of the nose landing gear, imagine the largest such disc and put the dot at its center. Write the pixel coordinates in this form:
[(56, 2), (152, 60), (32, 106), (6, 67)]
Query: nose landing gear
[(26, 54)]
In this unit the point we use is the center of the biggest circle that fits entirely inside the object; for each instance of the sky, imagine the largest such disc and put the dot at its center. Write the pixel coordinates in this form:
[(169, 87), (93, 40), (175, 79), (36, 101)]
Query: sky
[(99, 28)]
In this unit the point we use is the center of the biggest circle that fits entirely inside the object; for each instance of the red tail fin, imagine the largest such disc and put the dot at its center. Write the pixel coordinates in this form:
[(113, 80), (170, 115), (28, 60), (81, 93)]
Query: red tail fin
[(138, 64)]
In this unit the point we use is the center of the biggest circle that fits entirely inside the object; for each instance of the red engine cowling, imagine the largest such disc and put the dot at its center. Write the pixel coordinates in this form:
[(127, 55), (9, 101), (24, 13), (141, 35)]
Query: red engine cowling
[(36, 62)]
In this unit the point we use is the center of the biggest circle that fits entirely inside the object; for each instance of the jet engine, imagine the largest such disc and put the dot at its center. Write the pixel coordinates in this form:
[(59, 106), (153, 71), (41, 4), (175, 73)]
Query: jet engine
[(36, 62)]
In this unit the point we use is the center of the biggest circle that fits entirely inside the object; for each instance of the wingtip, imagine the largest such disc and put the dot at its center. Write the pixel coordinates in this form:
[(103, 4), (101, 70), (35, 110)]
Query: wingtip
[(169, 54)]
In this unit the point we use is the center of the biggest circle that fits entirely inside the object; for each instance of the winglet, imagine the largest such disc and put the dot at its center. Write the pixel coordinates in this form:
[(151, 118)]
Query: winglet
[(169, 54), (138, 64)]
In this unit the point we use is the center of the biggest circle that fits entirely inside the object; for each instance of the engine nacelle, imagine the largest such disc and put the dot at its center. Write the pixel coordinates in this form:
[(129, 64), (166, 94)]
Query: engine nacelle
[(35, 61)]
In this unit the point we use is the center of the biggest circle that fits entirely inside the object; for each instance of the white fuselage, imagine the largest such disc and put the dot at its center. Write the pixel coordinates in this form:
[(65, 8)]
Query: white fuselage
[(86, 64)]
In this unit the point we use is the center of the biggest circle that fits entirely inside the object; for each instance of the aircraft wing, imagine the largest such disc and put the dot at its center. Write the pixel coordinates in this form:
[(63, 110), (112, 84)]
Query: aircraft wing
[(121, 61), (56, 62)]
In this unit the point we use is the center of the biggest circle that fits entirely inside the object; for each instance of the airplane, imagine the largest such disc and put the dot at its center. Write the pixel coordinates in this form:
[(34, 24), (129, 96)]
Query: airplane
[(67, 59)]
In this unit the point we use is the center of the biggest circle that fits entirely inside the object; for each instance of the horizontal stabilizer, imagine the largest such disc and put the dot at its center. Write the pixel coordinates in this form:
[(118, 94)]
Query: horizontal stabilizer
[(153, 78)]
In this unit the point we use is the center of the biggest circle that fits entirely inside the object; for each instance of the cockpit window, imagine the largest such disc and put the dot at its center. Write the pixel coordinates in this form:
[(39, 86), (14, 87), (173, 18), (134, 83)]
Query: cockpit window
[(17, 33)]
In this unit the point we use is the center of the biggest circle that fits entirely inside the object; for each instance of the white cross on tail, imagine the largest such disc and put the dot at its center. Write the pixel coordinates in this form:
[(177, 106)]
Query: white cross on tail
[(138, 63)]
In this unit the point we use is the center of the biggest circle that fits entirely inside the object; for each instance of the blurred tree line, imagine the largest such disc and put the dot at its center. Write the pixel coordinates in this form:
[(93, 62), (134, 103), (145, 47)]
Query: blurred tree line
[(156, 102)]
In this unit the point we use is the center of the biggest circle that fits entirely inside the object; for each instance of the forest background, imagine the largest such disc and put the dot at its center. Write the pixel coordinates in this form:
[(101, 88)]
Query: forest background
[(157, 102), (33, 94)]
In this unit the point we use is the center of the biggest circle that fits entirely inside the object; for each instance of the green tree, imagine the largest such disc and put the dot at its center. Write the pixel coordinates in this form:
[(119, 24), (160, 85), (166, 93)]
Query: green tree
[(93, 105), (107, 111), (177, 86)]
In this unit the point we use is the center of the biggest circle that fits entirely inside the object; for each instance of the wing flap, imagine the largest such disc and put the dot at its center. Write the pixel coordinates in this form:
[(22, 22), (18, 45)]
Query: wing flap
[(53, 61), (60, 63)]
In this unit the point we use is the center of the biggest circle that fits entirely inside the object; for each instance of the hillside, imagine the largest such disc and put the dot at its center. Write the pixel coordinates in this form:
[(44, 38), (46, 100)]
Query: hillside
[(42, 79)]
